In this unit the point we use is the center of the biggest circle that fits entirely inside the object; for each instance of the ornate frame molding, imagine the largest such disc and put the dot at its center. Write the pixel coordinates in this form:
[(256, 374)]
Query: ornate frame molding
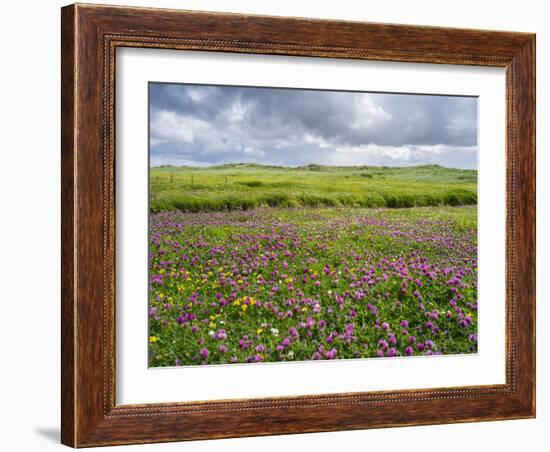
[(90, 37)]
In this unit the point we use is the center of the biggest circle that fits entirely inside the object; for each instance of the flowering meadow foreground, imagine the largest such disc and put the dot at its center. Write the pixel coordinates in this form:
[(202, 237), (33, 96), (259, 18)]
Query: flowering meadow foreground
[(294, 284)]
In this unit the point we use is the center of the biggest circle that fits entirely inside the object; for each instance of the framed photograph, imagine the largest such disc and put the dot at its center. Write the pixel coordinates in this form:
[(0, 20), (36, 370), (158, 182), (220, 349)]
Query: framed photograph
[(282, 225)]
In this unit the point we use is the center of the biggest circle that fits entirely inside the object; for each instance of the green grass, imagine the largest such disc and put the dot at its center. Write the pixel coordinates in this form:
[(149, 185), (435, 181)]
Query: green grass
[(247, 186)]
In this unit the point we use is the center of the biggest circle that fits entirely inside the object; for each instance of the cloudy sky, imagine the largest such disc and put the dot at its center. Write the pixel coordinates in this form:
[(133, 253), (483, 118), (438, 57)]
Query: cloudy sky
[(204, 125)]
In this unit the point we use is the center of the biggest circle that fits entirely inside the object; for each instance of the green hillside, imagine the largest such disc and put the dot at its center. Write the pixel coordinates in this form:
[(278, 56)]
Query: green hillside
[(246, 186)]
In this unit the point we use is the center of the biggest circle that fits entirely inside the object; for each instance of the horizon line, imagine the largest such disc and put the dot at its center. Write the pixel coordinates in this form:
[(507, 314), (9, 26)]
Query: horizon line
[(309, 165)]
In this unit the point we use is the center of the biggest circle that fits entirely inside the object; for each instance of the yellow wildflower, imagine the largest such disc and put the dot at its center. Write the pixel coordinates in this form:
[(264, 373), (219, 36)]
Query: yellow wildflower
[(153, 339)]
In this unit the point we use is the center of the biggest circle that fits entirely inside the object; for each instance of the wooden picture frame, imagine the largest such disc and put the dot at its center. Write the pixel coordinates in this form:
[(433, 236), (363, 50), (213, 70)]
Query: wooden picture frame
[(90, 36)]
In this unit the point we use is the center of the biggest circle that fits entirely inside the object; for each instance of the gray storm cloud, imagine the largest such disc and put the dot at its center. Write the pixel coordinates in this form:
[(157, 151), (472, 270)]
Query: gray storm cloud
[(209, 125)]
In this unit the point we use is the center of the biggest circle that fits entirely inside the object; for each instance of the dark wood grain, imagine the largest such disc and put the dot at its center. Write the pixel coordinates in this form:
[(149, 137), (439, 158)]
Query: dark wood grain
[(90, 36), (68, 332)]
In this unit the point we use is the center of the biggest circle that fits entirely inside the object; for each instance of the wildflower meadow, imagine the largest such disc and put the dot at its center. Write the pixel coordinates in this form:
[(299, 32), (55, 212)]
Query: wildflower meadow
[(270, 283), (297, 224)]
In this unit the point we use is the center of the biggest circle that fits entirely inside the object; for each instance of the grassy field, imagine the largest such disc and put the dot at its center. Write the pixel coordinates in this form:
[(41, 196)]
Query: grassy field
[(294, 284), (249, 186), (252, 263)]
